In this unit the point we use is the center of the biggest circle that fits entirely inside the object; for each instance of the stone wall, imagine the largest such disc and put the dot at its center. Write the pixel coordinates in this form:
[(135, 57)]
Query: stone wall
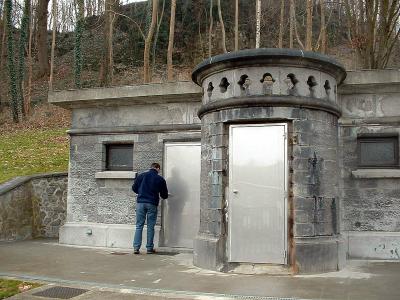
[(313, 179), (111, 200), (33, 206), (49, 204), (371, 197)]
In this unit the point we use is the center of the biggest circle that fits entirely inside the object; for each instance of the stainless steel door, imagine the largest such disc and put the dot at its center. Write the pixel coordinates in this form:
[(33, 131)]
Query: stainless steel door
[(257, 193), (181, 211)]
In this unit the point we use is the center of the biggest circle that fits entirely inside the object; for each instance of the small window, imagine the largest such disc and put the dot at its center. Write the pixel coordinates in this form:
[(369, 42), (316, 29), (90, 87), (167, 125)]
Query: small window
[(119, 157), (378, 152)]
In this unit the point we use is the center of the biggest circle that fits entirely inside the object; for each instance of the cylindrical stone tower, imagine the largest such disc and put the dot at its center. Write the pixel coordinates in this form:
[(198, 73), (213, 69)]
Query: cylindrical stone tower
[(269, 173)]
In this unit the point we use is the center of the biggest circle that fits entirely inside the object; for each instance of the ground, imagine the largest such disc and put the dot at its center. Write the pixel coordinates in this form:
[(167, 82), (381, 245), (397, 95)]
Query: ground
[(118, 274)]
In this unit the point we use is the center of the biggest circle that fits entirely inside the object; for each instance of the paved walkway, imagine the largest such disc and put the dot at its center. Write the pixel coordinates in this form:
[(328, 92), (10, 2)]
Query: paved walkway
[(118, 274)]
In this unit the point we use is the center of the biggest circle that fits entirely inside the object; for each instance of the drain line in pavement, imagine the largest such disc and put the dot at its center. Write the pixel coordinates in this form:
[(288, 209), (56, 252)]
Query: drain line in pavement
[(140, 290)]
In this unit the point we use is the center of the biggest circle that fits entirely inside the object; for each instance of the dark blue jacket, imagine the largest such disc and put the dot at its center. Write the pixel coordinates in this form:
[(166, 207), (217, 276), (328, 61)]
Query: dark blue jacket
[(150, 186)]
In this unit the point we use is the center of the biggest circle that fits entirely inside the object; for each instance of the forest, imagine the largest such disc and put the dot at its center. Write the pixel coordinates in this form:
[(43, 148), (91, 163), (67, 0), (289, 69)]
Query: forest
[(54, 45)]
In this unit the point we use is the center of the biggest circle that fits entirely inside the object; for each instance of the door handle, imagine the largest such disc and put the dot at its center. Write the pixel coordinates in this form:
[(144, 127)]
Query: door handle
[(235, 191)]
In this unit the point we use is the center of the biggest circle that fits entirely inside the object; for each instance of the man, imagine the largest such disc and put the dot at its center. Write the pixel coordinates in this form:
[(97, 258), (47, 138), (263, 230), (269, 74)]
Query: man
[(149, 186)]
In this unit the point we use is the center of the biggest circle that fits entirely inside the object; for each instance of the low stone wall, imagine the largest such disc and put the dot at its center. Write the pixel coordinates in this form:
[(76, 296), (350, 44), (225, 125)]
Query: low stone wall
[(33, 206)]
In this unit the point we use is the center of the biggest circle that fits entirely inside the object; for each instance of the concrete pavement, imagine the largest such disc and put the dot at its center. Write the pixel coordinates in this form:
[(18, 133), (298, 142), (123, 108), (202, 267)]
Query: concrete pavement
[(119, 274)]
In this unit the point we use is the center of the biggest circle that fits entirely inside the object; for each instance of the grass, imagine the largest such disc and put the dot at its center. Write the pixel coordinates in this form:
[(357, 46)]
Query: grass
[(32, 151), (10, 288)]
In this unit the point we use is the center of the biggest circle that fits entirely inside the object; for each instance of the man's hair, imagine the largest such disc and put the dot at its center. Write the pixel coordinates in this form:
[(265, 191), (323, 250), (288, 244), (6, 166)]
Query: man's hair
[(155, 166)]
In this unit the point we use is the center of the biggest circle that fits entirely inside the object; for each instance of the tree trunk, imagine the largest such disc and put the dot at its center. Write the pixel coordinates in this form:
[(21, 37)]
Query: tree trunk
[(147, 43), (78, 42), (258, 23), (221, 21), (53, 43), (210, 29), (3, 35), (11, 62), (27, 103), (280, 39), (159, 21), (291, 24), (106, 68), (21, 53), (236, 25), (41, 39), (309, 25), (171, 41), (323, 27)]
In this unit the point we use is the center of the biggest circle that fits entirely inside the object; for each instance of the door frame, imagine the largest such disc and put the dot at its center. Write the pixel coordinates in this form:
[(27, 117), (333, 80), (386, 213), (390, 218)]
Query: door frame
[(286, 181), (186, 142)]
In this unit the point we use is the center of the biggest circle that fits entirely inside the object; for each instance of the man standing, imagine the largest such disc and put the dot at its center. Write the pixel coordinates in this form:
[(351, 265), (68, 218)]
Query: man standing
[(149, 186)]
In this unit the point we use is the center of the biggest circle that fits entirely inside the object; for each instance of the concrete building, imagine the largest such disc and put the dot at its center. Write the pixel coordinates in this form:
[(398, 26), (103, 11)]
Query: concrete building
[(277, 161)]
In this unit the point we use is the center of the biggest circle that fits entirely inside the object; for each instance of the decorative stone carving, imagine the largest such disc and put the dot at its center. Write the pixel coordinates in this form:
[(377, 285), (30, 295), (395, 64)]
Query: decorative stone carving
[(312, 83), (223, 86), (268, 82), (244, 84), (327, 88), (210, 90), (291, 82)]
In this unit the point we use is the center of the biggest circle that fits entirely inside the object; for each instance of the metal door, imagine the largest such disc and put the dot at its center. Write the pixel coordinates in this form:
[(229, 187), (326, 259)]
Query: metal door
[(181, 211), (257, 215)]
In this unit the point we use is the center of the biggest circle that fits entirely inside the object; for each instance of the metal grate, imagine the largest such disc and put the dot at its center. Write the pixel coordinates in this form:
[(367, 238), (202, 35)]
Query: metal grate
[(60, 292)]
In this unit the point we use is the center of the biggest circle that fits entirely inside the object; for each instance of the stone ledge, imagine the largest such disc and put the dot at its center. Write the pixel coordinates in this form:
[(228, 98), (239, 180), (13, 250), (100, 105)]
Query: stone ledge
[(20, 180), (181, 91), (376, 173), (103, 235), (373, 244), (115, 175)]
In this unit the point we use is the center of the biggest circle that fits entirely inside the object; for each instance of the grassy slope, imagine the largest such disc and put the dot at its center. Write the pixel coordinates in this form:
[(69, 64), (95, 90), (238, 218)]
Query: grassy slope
[(37, 144), (26, 152), (9, 288)]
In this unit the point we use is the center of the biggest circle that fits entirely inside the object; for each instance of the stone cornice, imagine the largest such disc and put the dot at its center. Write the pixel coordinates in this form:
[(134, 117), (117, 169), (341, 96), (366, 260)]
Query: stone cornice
[(134, 129), (182, 91), (268, 57), (270, 101)]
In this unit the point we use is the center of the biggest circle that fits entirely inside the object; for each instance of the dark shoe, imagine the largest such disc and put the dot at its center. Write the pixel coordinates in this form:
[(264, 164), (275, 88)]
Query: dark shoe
[(136, 251), (151, 251)]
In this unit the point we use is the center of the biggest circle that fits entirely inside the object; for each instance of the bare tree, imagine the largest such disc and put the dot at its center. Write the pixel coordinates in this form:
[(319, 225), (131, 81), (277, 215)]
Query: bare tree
[(373, 29), (291, 23), (159, 21), (3, 29), (309, 25), (106, 69), (210, 30), (53, 43), (221, 22), (41, 39), (11, 62), (280, 39), (323, 27), (27, 102), (171, 41), (147, 43), (236, 25), (23, 39), (258, 22)]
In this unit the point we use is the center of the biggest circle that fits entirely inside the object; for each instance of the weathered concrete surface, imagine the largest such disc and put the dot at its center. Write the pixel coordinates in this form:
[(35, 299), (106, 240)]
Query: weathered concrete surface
[(127, 95), (111, 276), (103, 235), (33, 206), (371, 198)]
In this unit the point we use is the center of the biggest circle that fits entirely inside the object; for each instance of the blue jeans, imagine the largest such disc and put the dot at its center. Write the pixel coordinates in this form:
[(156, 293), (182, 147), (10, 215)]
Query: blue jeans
[(143, 209)]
